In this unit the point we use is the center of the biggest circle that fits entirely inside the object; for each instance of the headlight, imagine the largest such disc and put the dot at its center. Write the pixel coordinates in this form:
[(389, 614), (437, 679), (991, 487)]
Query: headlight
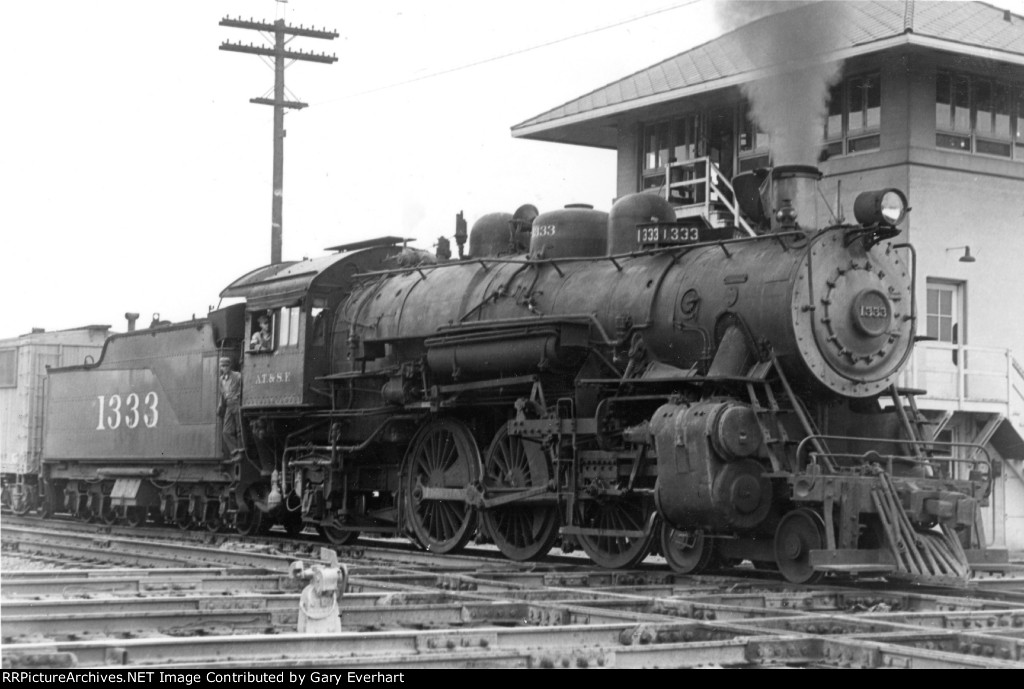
[(882, 207)]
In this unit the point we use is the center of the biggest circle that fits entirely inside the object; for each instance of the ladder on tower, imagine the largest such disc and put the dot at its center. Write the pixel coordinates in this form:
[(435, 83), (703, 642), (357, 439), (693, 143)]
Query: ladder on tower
[(697, 187), (721, 191)]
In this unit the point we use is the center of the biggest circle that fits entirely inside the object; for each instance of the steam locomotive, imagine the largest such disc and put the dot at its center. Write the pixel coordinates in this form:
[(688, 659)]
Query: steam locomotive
[(620, 382)]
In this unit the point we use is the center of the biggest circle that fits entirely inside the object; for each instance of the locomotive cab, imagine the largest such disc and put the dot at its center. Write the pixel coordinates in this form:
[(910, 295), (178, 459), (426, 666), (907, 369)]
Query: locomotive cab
[(289, 307), (286, 385)]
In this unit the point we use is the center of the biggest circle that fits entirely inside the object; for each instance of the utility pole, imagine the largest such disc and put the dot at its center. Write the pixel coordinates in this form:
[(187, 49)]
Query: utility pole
[(279, 53)]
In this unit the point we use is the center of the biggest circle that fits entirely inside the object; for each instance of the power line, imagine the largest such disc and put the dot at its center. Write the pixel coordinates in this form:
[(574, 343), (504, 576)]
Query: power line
[(514, 52), (283, 33)]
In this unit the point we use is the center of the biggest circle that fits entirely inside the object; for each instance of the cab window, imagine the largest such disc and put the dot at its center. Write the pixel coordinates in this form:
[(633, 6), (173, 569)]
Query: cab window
[(261, 327), (319, 315), (288, 330)]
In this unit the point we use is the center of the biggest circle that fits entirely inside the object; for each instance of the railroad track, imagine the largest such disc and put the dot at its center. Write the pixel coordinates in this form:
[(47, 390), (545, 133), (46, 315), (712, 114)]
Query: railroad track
[(997, 576), (74, 543), (237, 607)]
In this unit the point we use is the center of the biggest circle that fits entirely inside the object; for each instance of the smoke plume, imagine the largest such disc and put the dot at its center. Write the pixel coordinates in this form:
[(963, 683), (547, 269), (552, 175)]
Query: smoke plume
[(791, 103)]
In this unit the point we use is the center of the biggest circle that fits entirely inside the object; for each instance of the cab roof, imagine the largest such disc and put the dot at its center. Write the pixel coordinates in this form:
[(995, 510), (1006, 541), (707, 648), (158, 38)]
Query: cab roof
[(286, 283), (280, 283)]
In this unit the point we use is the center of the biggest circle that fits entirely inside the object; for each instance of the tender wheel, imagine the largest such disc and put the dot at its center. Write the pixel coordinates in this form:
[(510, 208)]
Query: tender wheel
[(21, 505), (108, 515), (521, 531), (20, 500), (443, 455), (212, 520), (77, 504), (83, 512), (627, 537), (687, 552), (799, 532), (182, 516), (337, 535), (134, 516)]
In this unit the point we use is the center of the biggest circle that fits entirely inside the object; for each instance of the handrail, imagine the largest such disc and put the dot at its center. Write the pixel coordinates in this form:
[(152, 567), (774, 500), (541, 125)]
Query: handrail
[(729, 200), (872, 456), (1015, 391), (953, 346), (713, 181), (953, 381)]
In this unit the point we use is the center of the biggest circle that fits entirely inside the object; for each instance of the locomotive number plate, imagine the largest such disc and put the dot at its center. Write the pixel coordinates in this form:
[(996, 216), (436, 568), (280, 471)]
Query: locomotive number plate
[(660, 233)]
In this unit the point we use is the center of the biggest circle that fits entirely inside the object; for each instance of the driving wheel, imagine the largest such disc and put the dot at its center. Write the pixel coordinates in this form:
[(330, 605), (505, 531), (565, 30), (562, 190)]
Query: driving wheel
[(619, 533), (442, 461), (520, 530)]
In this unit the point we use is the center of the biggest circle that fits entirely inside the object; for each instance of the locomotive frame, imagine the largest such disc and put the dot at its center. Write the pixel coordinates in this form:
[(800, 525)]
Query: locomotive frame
[(618, 383)]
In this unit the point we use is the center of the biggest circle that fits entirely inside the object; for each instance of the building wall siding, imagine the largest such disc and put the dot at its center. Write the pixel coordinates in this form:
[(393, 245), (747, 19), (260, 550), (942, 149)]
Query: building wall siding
[(628, 164)]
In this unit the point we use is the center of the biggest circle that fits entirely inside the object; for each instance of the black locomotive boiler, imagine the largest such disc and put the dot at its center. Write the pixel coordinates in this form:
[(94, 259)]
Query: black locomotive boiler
[(617, 382)]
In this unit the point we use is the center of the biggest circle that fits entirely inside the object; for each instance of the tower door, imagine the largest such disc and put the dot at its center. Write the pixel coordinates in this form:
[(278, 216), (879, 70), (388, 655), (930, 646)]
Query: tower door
[(944, 323), (721, 139)]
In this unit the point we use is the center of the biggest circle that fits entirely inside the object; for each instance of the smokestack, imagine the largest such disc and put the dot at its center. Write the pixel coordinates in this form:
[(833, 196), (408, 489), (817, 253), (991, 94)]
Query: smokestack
[(790, 104), (791, 196), (131, 318)]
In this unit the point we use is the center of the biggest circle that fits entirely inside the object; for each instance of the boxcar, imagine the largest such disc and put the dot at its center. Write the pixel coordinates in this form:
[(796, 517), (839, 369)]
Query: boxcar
[(24, 361)]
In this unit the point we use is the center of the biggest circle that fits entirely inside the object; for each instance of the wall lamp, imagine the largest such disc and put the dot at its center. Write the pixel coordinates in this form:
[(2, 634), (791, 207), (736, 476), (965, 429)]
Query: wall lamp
[(966, 258)]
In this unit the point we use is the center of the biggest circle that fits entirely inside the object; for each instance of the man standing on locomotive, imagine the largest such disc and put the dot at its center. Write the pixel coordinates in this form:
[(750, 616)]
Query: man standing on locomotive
[(230, 405)]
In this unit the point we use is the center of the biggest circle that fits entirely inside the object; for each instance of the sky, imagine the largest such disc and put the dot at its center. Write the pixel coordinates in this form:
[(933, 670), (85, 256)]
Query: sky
[(137, 175)]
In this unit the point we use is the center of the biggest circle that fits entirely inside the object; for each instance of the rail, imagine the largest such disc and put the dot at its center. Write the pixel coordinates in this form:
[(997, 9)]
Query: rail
[(407, 609)]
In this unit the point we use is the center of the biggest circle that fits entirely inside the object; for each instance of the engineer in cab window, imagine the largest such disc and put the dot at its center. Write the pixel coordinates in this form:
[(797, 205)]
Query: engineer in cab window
[(262, 340)]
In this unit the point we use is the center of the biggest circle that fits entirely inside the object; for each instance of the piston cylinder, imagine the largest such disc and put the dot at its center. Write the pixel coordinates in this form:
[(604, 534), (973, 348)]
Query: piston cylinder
[(708, 473)]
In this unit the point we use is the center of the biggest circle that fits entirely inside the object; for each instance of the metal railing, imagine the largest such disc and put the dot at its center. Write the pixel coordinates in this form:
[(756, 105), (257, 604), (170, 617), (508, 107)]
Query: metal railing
[(968, 378), (696, 187)]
